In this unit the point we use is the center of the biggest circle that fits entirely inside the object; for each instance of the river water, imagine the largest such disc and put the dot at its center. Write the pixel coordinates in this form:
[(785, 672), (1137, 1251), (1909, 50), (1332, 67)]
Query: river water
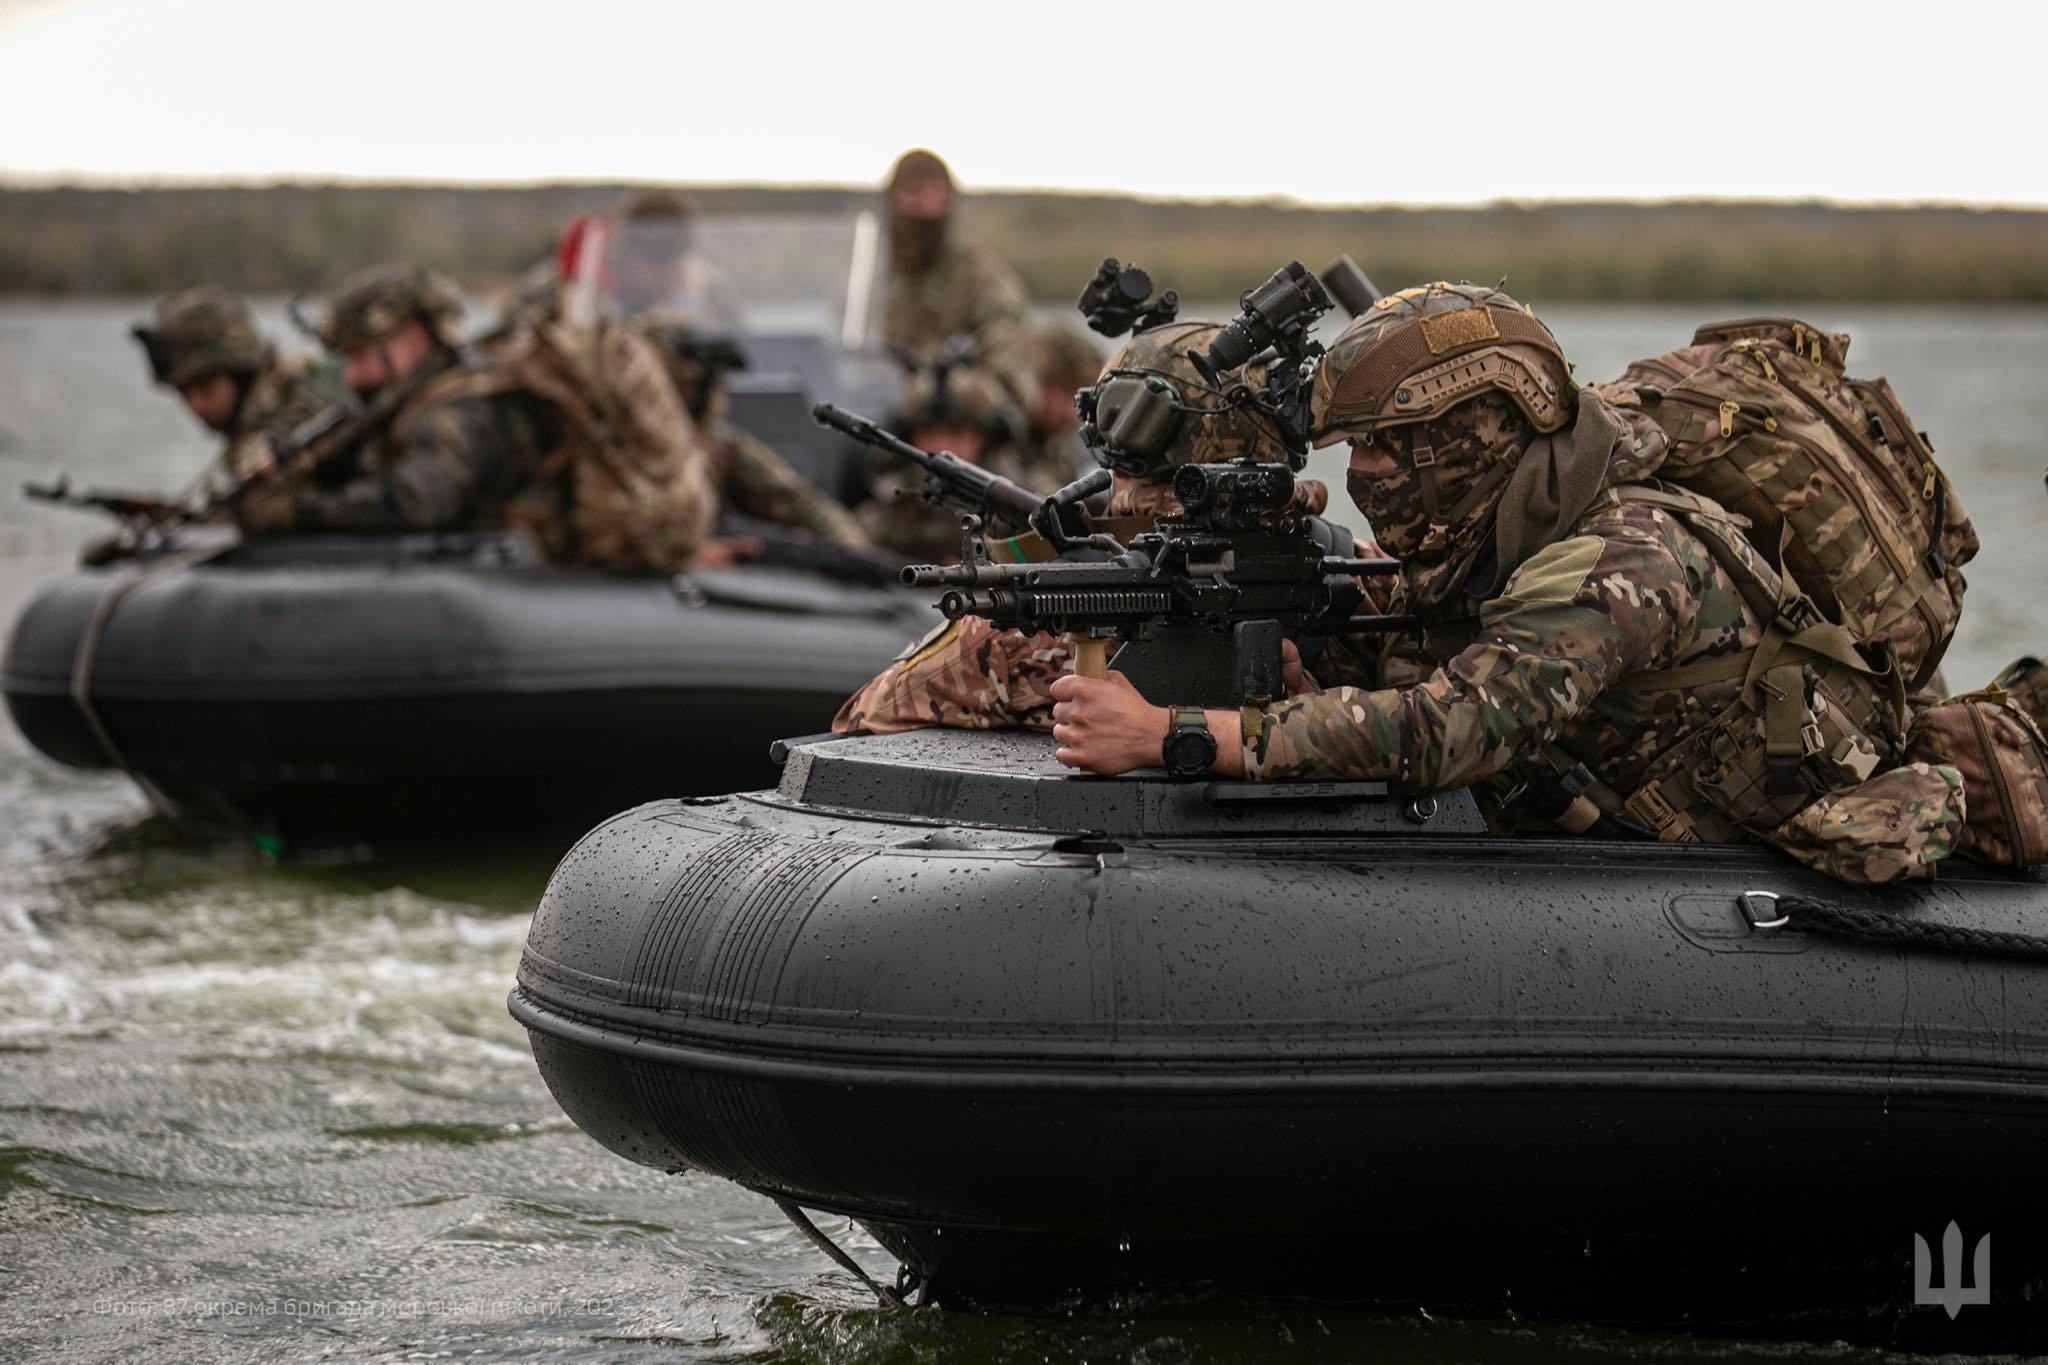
[(253, 1109)]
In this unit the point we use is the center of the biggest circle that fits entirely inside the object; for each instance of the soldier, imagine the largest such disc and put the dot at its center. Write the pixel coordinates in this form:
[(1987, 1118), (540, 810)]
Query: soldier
[(661, 295), (590, 455), (939, 289), (750, 477), (1601, 652), (967, 674), (202, 343), (1044, 367), (967, 410)]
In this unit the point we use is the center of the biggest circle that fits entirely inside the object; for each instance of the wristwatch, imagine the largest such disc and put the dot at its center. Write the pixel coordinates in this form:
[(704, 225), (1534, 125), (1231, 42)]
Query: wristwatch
[(1189, 748)]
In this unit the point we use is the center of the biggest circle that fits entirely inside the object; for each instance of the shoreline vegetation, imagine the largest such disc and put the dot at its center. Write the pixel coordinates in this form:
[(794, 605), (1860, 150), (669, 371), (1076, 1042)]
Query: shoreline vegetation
[(275, 239)]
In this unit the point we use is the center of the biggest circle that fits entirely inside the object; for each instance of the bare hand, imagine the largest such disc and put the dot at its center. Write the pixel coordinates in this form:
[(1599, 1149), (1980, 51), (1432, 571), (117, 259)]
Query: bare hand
[(1103, 725), (726, 551)]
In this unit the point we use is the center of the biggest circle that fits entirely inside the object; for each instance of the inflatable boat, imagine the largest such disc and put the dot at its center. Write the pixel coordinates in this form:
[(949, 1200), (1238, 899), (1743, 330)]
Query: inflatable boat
[(436, 686), (1049, 1035)]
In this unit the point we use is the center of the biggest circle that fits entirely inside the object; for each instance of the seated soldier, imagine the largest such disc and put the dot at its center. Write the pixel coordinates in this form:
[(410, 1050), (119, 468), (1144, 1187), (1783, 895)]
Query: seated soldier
[(967, 674), (1601, 652), (645, 275), (592, 456), (964, 409), (202, 343), (939, 289), (1044, 367)]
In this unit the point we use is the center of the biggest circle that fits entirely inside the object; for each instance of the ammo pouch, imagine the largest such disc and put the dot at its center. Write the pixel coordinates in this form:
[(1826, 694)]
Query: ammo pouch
[(2003, 758), (1804, 724)]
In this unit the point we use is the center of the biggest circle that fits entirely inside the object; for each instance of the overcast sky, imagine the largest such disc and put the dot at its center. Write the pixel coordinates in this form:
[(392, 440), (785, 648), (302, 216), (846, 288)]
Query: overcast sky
[(1418, 101)]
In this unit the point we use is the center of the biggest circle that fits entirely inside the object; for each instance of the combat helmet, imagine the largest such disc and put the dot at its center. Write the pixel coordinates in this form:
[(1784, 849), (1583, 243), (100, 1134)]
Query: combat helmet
[(197, 332), (1452, 381), (376, 302), (960, 395), (1151, 411)]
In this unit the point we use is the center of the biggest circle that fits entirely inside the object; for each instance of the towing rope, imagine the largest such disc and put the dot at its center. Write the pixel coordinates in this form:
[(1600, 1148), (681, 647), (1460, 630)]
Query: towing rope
[(88, 654), (888, 1298), (1767, 910)]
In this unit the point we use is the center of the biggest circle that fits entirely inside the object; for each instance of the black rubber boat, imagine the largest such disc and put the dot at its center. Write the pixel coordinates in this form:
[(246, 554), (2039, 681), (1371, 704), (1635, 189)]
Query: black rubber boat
[(1048, 1035), (430, 687)]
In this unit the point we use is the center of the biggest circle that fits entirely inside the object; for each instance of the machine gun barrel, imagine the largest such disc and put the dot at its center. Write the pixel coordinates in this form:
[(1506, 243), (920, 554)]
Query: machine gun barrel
[(948, 478)]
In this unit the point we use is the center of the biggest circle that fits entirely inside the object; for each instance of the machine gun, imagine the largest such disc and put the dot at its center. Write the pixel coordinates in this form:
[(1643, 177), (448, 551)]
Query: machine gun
[(1199, 605), (953, 482)]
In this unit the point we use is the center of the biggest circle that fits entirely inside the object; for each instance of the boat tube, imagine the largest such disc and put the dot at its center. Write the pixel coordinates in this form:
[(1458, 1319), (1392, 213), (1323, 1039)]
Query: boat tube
[(430, 686), (1049, 1035)]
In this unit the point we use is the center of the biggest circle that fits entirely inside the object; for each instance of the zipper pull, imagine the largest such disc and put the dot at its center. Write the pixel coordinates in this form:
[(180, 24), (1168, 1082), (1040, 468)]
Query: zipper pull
[(1764, 361), (1927, 488), (1728, 410)]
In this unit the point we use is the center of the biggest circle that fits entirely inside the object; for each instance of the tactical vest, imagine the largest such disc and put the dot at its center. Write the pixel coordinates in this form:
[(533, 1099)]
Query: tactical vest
[(1764, 421), (1813, 714)]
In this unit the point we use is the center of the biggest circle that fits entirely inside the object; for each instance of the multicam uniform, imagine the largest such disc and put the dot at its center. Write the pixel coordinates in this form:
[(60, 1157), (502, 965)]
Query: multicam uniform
[(970, 675), (574, 436), (954, 396), (757, 482), (964, 292), (1604, 654)]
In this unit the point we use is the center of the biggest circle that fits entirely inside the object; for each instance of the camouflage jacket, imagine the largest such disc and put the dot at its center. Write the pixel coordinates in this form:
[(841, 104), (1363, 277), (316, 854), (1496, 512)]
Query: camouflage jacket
[(1627, 590), (965, 292), (284, 394), (756, 482), (969, 675), (447, 461)]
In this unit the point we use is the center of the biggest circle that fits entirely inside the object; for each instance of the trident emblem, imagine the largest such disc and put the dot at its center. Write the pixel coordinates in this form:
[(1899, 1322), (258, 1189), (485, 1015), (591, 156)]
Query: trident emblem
[(1952, 1295)]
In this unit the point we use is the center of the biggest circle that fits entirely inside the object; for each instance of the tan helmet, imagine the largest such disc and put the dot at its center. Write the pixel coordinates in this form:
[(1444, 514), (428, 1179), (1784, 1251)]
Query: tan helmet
[(376, 302), (197, 332), (1150, 411), (1419, 353)]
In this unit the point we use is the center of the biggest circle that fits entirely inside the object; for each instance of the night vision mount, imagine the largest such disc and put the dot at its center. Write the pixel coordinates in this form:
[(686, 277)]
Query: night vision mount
[(1119, 299)]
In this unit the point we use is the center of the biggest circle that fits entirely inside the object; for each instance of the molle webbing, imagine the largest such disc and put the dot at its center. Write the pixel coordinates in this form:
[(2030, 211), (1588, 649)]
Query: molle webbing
[(1713, 783), (1365, 387)]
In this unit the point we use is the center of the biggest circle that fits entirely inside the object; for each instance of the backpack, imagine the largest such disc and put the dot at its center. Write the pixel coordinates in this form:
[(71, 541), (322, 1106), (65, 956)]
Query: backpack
[(1764, 420), (628, 485), (2004, 762)]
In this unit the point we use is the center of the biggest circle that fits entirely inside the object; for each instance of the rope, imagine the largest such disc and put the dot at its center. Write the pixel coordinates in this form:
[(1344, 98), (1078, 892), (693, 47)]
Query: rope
[(888, 1298), (88, 654), (1882, 926)]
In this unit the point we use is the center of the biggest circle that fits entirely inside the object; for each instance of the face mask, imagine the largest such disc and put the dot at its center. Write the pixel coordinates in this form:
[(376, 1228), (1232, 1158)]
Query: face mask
[(914, 243), (1464, 443)]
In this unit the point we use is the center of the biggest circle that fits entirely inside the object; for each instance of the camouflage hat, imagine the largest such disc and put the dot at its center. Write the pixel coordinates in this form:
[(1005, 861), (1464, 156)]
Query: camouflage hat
[(374, 303), (1151, 411), (960, 395), (1419, 353), (197, 332)]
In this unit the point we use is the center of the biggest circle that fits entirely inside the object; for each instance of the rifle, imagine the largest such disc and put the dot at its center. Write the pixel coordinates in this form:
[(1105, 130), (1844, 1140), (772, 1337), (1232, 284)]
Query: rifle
[(1201, 604), (948, 480), (141, 509)]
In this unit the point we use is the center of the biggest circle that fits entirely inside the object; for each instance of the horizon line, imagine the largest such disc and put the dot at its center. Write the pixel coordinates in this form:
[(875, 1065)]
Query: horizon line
[(38, 181)]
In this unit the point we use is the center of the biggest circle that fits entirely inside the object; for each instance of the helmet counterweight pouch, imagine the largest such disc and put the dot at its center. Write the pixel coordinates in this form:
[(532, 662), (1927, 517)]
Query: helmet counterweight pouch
[(1136, 418)]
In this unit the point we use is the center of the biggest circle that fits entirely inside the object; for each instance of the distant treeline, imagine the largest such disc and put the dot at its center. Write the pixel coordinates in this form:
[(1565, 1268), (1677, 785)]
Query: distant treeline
[(99, 241)]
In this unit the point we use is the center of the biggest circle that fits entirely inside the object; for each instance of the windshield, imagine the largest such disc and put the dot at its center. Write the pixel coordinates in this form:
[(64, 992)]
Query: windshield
[(814, 274)]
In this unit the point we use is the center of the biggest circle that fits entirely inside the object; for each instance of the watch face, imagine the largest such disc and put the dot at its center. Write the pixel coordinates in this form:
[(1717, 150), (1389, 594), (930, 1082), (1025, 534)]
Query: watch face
[(1189, 753)]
